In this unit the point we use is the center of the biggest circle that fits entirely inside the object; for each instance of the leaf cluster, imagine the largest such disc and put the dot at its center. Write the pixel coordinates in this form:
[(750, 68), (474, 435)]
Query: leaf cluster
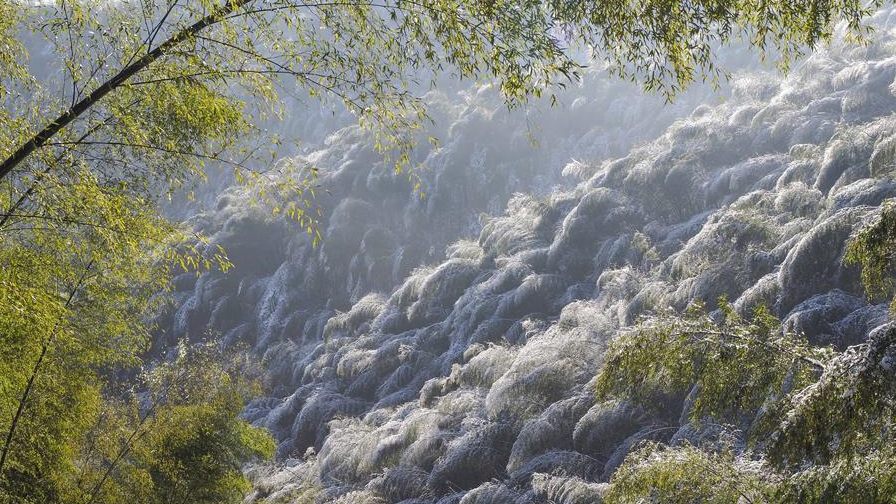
[(873, 248), (734, 364), (178, 438), (688, 474), (820, 422)]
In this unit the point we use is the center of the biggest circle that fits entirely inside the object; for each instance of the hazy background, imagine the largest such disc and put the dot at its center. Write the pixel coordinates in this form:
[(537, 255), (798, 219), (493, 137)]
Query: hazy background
[(442, 348)]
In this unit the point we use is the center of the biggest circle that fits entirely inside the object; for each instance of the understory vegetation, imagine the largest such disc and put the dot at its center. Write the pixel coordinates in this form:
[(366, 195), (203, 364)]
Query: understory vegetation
[(785, 422), (171, 434)]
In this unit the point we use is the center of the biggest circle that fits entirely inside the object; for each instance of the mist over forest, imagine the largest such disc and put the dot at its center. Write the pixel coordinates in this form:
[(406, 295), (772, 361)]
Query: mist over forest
[(601, 294), (445, 347)]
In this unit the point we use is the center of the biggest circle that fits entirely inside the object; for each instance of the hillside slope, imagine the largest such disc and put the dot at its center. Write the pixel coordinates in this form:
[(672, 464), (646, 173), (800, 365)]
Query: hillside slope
[(470, 381)]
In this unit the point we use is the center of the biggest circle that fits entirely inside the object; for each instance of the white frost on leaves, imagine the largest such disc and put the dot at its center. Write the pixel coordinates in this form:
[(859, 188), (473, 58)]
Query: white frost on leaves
[(424, 364)]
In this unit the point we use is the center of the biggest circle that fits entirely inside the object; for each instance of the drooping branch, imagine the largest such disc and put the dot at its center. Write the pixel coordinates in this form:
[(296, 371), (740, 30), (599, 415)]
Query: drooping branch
[(41, 138), (10, 212), (772, 346)]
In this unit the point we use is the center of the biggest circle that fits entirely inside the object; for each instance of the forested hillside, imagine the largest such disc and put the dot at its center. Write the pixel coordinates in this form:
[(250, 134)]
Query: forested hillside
[(447, 251), (475, 378)]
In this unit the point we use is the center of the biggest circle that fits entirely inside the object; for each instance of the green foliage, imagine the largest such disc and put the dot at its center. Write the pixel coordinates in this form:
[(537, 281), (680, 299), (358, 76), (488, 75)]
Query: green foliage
[(687, 475), (11, 50), (874, 249), (847, 413), (822, 427), (666, 44), (868, 479), (668, 355), (179, 439), (84, 266), (196, 445), (74, 293), (164, 87)]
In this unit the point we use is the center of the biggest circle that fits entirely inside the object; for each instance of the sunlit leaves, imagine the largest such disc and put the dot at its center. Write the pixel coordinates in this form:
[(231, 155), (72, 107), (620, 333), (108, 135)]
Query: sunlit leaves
[(11, 50), (375, 58), (669, 354), (179, 439), (874, 248), (290, 189), (667, 44), (820, 424), (688, 474), (849, 411), (84, 267)]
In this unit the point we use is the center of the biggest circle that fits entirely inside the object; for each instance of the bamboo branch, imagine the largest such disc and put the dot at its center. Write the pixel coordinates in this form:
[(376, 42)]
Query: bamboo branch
[(41, 138)]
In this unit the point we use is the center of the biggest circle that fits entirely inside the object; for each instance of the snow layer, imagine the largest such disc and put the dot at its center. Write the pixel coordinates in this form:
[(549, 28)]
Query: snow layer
[(411, 367)]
